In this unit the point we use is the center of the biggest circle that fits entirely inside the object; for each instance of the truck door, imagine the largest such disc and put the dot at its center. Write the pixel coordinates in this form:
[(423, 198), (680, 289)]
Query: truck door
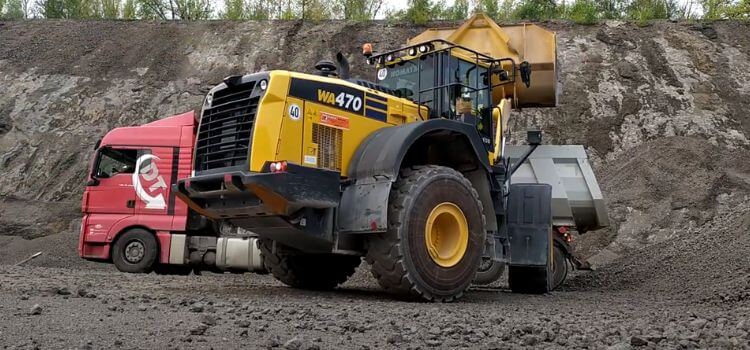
[(111, 191), (152, 185)]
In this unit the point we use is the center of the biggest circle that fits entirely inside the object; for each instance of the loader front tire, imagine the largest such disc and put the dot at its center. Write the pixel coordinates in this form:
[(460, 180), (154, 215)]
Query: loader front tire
[(307, 271), (435, 237)]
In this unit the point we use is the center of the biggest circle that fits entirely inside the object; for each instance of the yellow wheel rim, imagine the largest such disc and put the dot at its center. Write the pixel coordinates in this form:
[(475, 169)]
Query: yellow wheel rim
[(446, 234)]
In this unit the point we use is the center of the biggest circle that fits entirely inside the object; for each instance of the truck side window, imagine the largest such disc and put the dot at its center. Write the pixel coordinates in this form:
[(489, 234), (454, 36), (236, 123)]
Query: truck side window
[(115, 161)]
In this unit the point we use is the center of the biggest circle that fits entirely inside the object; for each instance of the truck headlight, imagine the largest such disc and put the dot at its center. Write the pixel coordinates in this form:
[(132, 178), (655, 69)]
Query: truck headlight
[(263, 84)]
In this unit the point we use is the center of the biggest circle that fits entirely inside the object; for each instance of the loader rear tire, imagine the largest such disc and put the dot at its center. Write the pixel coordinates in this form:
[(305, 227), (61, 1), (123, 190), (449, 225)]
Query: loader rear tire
[(559, 268), (435, 237), (307, 271), (135, 251), (489, 271)]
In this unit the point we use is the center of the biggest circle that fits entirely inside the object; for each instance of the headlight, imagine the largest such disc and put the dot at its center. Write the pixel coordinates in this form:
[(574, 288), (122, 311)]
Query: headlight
[(209, 99), (412, 51), (263, 84)]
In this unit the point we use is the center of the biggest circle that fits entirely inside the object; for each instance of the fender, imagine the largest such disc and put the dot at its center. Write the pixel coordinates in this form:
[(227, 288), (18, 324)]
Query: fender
[(376, 163)]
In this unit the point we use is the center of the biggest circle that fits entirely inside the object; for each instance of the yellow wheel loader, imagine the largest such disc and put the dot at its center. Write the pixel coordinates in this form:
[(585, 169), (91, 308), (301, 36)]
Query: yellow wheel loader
[(409, 171)]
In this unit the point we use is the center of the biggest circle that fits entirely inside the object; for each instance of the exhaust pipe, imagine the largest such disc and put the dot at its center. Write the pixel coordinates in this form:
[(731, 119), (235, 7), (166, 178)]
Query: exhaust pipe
[(343, 66)]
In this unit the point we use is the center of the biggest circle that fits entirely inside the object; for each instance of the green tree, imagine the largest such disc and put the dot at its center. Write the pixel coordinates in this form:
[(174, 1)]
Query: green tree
[(75, 9), (716, 9), (535, 10), (130, 10), (192, 9), (458, 11), (490, 7), (314, 10), (420, 11), (233, 10), (14, 9), (643, 11), (110, 9), (260, 9), (583, 12), (359, 10), (610, 9)]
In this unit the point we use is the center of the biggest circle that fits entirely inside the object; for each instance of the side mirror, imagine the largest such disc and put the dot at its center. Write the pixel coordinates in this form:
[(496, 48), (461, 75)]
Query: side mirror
[(93, 182), (534, 137)]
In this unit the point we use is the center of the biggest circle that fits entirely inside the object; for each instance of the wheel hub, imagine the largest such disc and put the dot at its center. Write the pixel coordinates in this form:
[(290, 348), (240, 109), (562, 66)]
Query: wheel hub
[(446, 234), (135, 251)]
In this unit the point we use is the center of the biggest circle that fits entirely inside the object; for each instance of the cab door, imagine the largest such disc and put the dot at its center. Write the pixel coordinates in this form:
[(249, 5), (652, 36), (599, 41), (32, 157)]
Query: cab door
[(110, 190), (152, 187)]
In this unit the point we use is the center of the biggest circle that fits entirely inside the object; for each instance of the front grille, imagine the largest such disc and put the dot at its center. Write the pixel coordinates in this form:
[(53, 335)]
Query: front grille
[(226, 127), (329, 146)]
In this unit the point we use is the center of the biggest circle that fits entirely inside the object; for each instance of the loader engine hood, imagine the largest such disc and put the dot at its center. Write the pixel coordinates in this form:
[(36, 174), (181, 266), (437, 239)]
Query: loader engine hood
[(229, 111)]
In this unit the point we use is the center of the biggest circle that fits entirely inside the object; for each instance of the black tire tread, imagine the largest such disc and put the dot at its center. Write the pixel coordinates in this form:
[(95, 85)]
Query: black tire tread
[(384, 252), (150, 259), (308, 271)]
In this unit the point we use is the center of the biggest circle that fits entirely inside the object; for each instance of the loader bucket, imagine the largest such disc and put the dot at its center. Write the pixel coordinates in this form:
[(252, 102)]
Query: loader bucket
[(520, 42)]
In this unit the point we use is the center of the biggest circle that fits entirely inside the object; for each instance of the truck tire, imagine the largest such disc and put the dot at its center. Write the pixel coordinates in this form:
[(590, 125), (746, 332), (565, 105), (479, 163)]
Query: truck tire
[(435, 237), (489, 271), (559, 267), (307, 271), (135, 251)]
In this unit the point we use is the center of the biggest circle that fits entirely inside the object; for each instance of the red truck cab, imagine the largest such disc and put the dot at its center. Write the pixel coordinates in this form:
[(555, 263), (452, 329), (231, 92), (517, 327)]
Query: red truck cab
[(132, 218), (129, 189)]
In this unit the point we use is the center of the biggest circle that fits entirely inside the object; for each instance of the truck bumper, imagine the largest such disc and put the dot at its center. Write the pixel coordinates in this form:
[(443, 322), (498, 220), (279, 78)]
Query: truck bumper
[(91, 250), (293, 207)]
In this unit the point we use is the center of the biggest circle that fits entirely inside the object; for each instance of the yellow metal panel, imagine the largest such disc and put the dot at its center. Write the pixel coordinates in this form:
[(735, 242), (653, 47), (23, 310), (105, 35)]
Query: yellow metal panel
[(290, 145), (358, 128), (267, 127)]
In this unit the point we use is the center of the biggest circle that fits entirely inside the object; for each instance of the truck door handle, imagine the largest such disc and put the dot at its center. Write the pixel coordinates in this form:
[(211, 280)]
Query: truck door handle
[(131, 203)]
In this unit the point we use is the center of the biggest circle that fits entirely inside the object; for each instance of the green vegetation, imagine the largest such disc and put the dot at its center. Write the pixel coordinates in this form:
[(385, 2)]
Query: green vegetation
[(416, 11)]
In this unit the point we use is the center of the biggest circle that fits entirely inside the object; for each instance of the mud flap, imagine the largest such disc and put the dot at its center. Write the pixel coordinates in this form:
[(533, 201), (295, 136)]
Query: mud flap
[(529, 220)]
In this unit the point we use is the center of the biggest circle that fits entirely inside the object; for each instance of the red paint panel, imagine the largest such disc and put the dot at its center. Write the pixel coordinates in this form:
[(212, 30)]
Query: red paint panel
[(165, 240)]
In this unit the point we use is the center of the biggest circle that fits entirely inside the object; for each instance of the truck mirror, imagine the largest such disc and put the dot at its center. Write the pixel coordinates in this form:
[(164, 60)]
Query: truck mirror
[(93, 182), (534, 137)]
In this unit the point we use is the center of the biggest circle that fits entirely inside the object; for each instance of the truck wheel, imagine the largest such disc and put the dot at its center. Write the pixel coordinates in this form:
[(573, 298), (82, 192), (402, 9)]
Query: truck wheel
[(307, 271), (489, 271), (135, 251), (559, 267), (435, 237)]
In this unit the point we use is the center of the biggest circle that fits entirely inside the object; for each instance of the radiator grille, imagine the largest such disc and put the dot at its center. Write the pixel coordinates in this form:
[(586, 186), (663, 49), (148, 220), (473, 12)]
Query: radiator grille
[(224, 135), (329, 146)]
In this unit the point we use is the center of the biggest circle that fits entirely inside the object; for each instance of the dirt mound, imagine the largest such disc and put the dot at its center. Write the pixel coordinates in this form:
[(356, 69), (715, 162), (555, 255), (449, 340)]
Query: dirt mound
[(681, 213), (661, 110)]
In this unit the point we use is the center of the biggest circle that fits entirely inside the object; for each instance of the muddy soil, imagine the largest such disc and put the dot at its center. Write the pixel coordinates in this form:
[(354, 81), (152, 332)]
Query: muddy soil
[(661, 110)]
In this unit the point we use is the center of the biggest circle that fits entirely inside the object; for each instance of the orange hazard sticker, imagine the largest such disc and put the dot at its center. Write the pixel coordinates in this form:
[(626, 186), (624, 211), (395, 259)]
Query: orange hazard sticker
[(334, 120)]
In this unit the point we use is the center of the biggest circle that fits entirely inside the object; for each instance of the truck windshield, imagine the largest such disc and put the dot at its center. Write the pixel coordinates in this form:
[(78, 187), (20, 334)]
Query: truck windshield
[(115, 161)]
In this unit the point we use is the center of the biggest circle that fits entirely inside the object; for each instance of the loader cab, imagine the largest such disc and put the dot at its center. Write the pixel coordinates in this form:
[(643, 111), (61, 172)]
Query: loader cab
[(453, 82)]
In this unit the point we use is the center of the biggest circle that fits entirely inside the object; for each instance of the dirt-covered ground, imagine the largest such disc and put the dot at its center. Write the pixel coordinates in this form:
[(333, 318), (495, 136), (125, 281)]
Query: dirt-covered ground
[(662, 111)]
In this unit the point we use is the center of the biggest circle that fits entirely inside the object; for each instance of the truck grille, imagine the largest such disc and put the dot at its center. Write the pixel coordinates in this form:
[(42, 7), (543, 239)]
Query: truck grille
[(226, 127)]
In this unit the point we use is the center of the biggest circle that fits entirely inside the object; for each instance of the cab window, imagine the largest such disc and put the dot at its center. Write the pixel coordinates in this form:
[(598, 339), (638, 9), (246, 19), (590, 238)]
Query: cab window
[(408, 78), (113, 161)]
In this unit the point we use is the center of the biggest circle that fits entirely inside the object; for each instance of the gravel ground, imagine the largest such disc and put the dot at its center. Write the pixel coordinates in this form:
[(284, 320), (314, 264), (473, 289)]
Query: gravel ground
[(66, 308)]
